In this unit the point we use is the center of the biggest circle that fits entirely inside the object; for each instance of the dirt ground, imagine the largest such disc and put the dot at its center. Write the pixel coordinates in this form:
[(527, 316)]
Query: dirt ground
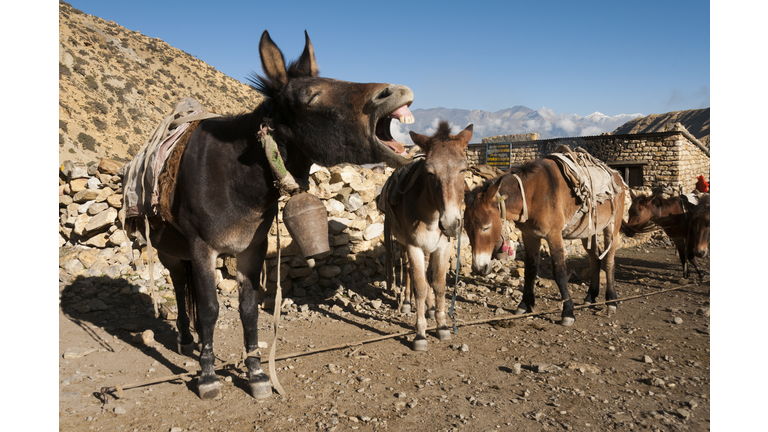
[(647, 367)]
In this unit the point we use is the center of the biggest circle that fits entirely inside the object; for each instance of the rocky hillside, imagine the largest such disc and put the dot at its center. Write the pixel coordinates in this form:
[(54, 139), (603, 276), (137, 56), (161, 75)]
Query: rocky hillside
[(115, 86), (696, 121)]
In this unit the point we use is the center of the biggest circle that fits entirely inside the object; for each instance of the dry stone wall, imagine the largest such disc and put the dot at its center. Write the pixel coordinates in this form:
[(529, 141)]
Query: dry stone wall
[(93, 244), (668, 158)]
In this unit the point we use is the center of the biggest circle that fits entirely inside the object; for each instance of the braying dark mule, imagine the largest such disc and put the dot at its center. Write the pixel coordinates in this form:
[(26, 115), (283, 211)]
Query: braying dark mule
[(426, 217), (674, 215), (224, 201), (540, 203)]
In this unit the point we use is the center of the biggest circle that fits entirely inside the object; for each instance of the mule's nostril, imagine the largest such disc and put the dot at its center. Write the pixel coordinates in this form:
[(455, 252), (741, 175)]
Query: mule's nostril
[(387, 92)]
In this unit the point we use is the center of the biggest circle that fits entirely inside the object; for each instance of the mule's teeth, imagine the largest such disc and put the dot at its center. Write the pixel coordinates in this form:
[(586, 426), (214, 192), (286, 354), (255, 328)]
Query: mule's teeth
[(406, 119)]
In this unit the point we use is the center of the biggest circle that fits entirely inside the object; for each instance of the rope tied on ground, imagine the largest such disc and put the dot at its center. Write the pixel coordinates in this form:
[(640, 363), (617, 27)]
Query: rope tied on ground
[(119, 389)]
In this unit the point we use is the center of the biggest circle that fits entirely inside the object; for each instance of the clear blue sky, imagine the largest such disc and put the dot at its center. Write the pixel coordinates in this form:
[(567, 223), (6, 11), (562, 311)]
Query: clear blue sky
[(616, 57)]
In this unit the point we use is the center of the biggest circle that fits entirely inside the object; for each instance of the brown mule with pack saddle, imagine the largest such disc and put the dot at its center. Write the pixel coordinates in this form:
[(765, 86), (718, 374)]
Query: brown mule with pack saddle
[(566, 195)]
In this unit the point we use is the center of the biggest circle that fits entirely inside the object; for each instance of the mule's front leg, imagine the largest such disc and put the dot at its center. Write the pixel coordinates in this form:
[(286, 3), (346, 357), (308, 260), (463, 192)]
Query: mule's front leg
[(532, 246), (249, 265), (683, 254), (203, 265), (440, 260), (417, 271), (694, 263), (557, 253), (698, 269)]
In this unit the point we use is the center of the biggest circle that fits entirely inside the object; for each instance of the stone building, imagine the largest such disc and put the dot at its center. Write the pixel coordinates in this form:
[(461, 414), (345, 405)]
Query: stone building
[(647, 160)]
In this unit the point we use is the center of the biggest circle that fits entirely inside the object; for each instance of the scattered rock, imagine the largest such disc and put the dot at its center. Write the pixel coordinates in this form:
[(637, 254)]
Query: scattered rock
[(544, 367), (147, 337), (583, 367), (228, 286), (77, 352)]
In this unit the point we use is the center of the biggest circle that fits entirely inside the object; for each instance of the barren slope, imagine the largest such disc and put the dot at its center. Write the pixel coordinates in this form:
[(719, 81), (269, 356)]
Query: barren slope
[(696, 121), (115, 86)]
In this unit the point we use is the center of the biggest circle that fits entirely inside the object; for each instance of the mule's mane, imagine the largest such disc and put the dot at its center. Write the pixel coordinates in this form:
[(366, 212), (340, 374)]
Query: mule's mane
[(443, 131), (528, 168), (658, 201)]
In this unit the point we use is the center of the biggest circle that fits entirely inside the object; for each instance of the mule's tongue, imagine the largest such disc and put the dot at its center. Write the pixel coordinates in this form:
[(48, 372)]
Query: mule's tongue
[(403, 114)]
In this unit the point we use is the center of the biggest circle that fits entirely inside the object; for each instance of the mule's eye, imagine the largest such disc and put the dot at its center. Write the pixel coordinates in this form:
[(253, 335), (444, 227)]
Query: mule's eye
[(487, 228), (313, 97), (309, 95)]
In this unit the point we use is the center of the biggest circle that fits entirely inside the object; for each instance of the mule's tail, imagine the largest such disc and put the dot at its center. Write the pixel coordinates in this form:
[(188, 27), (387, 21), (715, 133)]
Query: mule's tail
[(190, 295)]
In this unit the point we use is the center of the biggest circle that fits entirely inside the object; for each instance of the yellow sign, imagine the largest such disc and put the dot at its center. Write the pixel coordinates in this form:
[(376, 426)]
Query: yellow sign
[(497, 155)]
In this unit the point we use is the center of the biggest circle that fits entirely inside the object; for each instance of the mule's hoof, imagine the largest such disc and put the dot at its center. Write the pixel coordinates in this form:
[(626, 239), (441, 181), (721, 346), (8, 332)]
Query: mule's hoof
[(419, 344), (444, 335), (406, 309), (261, 390), (187, 350), (567, 321), (209, 391), (611, 309), (520, 311), (431, 314)]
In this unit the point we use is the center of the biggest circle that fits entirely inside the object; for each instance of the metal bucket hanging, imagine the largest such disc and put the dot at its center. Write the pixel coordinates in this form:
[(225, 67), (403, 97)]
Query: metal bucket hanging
[(306, 219)]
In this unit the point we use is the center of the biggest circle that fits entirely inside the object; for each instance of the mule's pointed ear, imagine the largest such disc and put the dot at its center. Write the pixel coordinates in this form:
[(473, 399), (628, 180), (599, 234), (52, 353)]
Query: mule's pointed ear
[(307, 63), (272, 60), (492, 190), (466, 134), (632, 195), (420, 140)]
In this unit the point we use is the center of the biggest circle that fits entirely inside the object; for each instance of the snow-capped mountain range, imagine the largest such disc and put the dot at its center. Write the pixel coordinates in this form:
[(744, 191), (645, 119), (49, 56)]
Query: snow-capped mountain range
[(518, 119)]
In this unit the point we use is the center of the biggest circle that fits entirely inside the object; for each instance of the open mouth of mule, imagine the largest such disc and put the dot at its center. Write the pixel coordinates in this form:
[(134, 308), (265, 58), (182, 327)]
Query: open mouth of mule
[(384, 133)]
